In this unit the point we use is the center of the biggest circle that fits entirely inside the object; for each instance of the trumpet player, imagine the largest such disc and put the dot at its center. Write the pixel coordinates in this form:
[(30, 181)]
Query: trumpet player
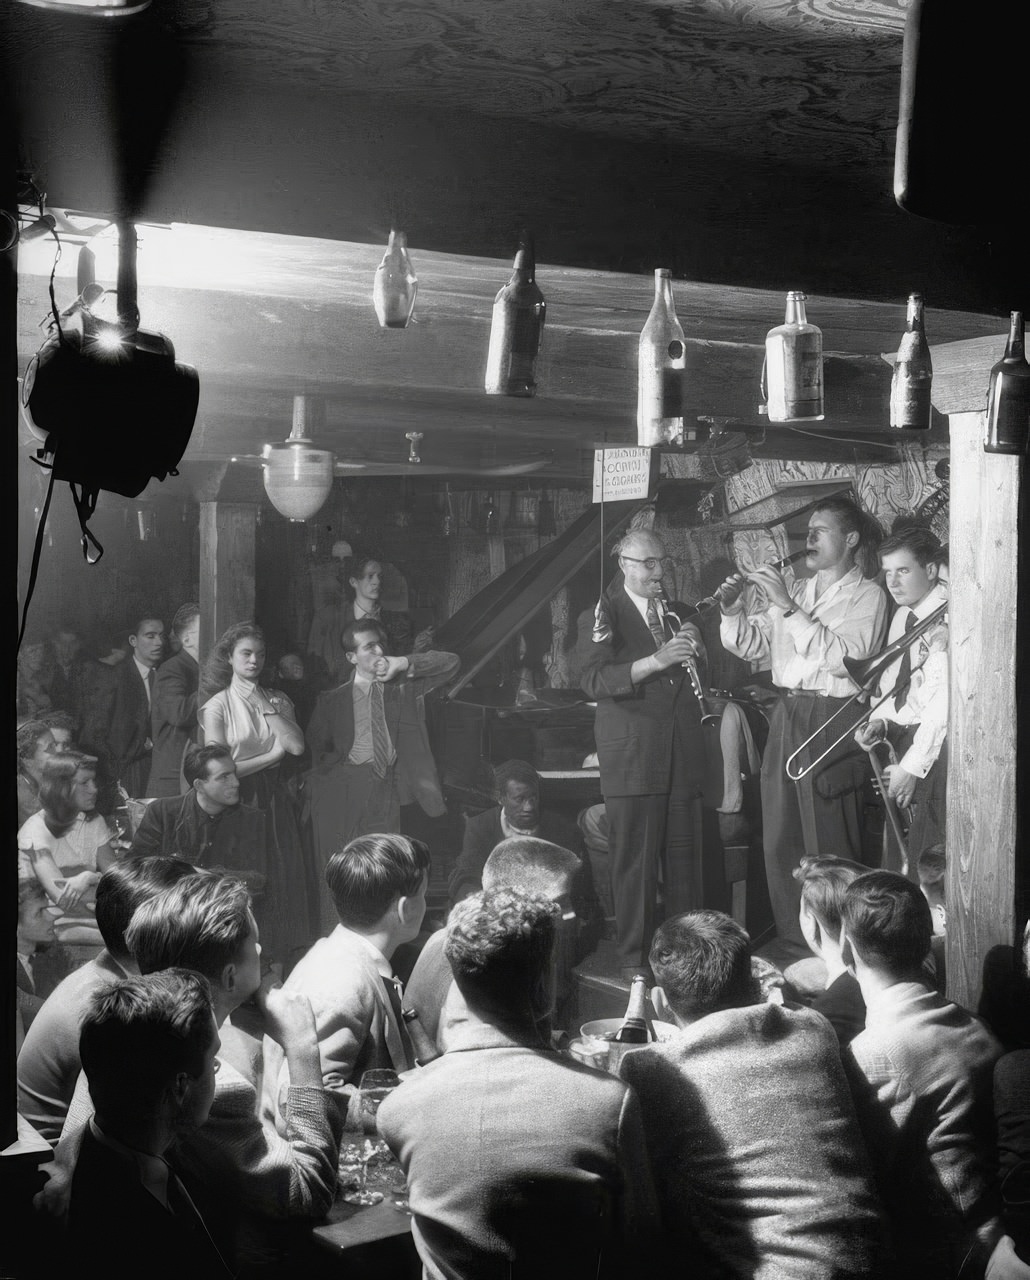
[(649, 745), (804, 630), (913, 716)]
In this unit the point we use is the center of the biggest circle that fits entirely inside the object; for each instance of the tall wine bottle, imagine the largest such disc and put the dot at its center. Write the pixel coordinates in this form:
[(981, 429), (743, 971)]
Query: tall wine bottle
[(912, 378), (633, 1029), (515, 330), (1007, 428), (794, 366), (395, 285), (661, 371)]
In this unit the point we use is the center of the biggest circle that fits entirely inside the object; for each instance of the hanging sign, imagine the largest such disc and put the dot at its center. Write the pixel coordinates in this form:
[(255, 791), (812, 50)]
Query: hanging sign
[(622, 473)]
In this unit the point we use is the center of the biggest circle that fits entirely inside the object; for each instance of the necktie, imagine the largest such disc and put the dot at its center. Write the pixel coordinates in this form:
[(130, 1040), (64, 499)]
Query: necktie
[(380, 733), (905, 668), (654, 623), (150, 685), (394, 989)]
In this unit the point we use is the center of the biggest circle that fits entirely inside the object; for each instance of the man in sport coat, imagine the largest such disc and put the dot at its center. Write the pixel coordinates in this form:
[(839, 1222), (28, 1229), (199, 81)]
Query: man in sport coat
[(649, 745)]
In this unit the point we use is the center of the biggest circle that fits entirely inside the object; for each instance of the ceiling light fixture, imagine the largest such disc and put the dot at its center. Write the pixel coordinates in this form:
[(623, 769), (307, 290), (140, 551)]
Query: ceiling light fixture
[(92, 8), (298, 477)]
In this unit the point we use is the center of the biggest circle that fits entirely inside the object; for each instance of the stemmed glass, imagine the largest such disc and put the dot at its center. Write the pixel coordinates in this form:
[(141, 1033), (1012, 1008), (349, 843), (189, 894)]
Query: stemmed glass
[(373, 1088)]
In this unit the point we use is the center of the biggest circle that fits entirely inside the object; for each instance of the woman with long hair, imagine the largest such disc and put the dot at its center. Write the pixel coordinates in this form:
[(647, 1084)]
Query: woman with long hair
[(66, 845), (259, 726)]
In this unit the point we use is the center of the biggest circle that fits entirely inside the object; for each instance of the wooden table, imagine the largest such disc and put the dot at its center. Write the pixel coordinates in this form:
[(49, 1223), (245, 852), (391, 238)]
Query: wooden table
[(358, 1241)]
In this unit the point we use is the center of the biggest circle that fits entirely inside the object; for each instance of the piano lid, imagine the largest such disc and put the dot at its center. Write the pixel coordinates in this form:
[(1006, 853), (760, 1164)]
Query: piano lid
[(495, 615)]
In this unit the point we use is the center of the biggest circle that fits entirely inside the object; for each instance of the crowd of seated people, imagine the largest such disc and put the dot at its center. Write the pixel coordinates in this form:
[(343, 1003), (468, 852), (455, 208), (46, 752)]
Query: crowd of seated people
[(869, 1128)]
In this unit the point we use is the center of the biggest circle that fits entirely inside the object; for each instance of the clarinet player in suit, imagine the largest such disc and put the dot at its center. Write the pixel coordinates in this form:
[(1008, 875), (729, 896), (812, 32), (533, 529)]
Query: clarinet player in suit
[(649, 745)]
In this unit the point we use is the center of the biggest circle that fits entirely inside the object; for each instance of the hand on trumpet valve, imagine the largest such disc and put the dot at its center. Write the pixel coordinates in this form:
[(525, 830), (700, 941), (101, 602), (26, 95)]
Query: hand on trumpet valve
[(770, 582), (901, 785), (870, 734)]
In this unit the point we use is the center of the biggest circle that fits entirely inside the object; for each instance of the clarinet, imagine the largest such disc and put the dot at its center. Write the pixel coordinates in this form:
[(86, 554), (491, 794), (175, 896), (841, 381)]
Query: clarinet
[(708, 716)]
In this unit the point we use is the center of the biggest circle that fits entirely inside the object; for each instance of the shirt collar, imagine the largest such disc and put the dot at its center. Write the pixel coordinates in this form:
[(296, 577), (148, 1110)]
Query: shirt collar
[(378, 959), (152, 1170), (511, 832), (143, 671), (933, 599), (374, 612), (880, 1003), (641, 603), (853, 576), (362, 682)]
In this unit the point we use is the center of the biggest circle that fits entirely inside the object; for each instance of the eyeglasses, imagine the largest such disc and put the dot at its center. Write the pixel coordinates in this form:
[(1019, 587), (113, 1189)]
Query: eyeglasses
[(650, 563)]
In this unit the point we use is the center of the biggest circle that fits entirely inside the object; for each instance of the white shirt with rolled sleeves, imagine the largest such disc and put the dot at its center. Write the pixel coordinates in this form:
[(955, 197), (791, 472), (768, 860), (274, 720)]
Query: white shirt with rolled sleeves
[(927, 701), (807, 649)]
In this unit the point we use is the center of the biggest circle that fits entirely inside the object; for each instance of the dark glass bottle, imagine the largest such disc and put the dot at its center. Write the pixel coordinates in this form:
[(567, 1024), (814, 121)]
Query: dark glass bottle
[(634, 1023), (661, 370), (1007, 428), (794, 366), (422, 1042), (912, 379), (515, 329)]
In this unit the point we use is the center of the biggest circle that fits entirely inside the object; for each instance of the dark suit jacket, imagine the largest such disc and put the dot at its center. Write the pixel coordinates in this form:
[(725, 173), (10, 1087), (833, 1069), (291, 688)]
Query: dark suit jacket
[(841, 1004), (173, 722), (116, 1229), (177, 827), (120, 730), (330, 734), (634, 724), (483, 831)]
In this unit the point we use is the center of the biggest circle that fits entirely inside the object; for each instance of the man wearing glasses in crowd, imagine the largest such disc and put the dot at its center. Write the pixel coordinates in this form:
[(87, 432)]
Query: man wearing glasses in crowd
[(649, 745)]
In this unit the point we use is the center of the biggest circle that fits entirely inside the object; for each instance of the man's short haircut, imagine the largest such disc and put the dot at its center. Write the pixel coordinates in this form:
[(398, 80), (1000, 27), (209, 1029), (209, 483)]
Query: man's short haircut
[(852, 519), (932, 864), (529, 865), (519, 771), (373, 871), (361, 626), (136, 626), (702, 961), (126, 885), (185, 616), (196, 760), (919, 542), (358, 565), (199, 923), (823, 881), (888, 920), (60, 720), (632, 536), (138, 1035), (499, 946)]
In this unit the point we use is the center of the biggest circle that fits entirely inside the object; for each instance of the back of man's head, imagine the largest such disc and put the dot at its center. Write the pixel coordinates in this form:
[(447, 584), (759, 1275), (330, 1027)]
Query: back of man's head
[(126, 885), (702, 961), (531, 866), (887, 921), (500, 945), (200, 923), (823, 882), (371, 873), (138, 1035)]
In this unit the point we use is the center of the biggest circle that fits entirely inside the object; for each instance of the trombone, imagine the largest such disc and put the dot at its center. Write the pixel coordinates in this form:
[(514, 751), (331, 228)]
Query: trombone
[(865, 672)]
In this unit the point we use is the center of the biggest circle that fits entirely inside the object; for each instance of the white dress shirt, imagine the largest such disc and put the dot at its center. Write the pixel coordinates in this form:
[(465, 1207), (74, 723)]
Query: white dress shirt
[(927, 701), (144, 674), (642, 603), (361, 752), (807, 650)]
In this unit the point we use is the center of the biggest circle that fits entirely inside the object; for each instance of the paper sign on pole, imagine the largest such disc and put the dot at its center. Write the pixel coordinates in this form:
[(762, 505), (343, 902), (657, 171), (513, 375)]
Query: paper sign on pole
[(621, 473)]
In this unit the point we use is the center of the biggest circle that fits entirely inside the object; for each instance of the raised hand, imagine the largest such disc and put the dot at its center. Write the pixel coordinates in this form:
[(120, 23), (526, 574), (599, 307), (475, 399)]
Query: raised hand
[(388, 668), (730, 590), (770, 580), (289, 1018), (869, 734)]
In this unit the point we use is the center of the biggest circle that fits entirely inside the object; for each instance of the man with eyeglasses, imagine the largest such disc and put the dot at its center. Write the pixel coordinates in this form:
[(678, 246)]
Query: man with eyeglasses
[(649, 746)]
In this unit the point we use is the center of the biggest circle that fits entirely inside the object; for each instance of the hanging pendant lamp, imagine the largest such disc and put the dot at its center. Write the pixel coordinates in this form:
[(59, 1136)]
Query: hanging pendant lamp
[(298, 476)]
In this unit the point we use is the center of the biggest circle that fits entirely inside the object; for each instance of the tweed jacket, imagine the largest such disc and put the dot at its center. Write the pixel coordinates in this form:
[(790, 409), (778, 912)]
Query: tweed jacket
[(354, 1022), (756, 1149), (173, 722), (921, 1075), (520, 1162), (330, 734), (634, 724)]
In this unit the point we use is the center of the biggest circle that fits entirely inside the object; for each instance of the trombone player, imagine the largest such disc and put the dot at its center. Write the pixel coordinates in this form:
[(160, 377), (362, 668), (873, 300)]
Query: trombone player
[(805, 630), (913, 715)]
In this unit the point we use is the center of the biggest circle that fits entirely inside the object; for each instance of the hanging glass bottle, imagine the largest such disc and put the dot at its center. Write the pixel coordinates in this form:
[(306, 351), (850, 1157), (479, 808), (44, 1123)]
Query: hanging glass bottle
[(793, 373), (661, 371), (912, 379), (396, 285), (1007, 426), (515, 330)]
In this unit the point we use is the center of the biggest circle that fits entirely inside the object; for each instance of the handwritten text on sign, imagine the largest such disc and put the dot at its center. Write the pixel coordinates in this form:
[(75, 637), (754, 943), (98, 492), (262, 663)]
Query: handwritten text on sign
[(621, 473)]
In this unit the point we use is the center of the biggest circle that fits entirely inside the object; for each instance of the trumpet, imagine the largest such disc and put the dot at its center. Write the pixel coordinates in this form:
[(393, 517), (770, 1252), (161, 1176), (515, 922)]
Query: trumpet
[(708, 716), (715, 600), (865, 672)]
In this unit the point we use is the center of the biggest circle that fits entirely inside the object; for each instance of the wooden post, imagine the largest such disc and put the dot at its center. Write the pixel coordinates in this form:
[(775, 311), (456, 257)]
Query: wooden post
[(227, 553), (988, 572)]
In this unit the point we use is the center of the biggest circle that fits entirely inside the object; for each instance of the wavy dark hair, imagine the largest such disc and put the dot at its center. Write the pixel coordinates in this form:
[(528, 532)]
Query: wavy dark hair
[(852, 519), (216, 672), (56, 789), (356, 567)]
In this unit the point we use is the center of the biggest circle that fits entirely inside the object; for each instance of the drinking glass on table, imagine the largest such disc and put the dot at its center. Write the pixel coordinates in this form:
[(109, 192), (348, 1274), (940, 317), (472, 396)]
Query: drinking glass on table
[(372, 1089)]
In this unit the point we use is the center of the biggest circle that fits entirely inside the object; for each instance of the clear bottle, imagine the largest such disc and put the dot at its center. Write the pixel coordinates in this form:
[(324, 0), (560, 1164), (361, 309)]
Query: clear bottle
[(662, 371), (515, 329), (1007, 425), (793, 373), (396, 285), (912, 379)]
